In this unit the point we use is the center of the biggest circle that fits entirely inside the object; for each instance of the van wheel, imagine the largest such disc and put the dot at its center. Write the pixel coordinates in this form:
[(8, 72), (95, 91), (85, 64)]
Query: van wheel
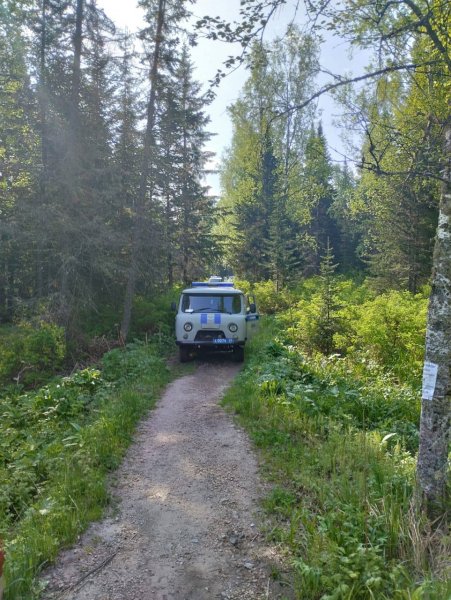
[(184, 354), (238, 354)]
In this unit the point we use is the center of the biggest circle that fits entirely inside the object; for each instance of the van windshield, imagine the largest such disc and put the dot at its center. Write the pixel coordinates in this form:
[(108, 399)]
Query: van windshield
[(223, 303)]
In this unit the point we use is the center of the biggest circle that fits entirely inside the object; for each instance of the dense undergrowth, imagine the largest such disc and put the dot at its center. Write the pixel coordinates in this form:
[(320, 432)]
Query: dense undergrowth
[(33, 348), (338, 430), (30, 353), (58, 445), (339, 436)]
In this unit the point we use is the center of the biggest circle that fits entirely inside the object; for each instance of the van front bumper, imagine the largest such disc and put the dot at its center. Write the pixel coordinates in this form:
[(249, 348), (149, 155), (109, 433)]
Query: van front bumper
[(218, 344)]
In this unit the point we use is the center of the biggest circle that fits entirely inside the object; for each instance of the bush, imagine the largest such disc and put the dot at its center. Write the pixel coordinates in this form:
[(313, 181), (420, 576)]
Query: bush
[(30, 354), (306, 323), (269, 300), (153, 315), (385, 333), (389, 330)]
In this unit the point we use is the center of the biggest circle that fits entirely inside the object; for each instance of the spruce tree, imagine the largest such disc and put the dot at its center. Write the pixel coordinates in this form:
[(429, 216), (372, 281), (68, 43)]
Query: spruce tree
[(261, 177), (19, 159), (317, 194), (327, 323), (187, 208)]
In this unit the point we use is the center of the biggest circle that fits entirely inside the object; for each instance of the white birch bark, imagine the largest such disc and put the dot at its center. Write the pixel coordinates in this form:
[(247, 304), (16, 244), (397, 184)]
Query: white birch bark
[(432, 467)]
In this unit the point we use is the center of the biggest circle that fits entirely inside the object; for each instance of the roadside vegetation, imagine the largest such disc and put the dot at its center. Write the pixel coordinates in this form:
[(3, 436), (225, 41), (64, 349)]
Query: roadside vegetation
[(58, 445), (329, 393), (338, 433)]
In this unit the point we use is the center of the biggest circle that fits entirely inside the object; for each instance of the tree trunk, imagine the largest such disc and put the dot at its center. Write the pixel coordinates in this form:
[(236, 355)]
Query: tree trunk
[(169, 254), (149, 145), (76, 71), (435, 413), (43, 100)]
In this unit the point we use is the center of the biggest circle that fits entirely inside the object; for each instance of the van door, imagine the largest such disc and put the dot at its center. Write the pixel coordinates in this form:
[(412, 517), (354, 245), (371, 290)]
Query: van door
[(252, 317)]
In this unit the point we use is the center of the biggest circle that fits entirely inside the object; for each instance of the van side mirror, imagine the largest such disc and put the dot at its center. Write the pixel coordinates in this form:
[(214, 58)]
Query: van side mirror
[(173, 306), (252, 307)]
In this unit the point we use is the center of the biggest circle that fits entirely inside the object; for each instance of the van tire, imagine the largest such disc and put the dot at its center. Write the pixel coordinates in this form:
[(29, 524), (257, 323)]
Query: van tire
[(184, 354), (238, 354)]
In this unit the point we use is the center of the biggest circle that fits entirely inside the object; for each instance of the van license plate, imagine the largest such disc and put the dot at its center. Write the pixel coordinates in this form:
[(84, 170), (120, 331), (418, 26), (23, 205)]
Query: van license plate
[(223, 341)]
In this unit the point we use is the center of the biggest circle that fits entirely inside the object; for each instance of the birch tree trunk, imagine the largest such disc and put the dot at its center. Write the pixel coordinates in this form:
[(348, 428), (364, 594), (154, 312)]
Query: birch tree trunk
[(432, 466)]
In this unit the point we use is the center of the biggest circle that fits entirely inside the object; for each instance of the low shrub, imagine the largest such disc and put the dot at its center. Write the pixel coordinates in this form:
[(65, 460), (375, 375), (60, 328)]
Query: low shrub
[(57, 445), (384, 332), (269, 299), (316, 316), (389, 330), (153, 315), (150, 314), (31, 353)]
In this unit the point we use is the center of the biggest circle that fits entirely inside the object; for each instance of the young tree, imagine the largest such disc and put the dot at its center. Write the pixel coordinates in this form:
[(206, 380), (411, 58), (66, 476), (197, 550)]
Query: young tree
[(327, 324), (261, 177)]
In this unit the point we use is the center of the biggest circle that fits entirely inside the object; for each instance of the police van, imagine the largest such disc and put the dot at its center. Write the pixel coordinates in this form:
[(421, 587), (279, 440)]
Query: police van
[(214, 316)]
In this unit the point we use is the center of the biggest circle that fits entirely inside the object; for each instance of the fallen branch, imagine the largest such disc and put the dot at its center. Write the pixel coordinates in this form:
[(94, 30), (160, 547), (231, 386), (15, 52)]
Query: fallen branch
[(83, 579)]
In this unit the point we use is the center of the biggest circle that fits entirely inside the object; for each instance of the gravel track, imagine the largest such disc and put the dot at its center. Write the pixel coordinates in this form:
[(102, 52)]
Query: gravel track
[(186, 526)]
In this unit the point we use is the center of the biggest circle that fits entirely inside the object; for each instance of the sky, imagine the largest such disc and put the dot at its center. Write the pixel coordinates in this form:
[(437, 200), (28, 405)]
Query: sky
[(209, 55)]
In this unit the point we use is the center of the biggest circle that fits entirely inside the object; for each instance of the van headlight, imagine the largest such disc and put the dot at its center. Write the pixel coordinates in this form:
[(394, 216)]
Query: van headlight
[(233, 327), (188, 326)]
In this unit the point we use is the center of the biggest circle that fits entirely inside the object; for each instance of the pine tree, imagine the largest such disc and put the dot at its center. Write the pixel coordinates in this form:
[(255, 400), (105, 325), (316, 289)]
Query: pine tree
[(160, 38), (348, 219), (126, 157), (405, 144)]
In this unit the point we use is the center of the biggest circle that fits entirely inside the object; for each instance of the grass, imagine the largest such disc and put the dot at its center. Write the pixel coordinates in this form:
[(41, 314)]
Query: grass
[(343, 502), (74, 434)]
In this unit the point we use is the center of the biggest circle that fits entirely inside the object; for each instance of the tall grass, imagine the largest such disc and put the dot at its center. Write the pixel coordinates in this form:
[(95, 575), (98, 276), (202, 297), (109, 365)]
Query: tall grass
[(71, 438), (343, 470)]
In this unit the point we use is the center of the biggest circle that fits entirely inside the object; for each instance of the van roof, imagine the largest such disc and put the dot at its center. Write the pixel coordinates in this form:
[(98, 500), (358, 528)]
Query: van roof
[(211, 289)]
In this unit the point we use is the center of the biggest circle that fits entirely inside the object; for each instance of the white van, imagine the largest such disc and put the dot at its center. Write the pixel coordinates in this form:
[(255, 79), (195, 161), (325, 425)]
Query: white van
[(214, 316)]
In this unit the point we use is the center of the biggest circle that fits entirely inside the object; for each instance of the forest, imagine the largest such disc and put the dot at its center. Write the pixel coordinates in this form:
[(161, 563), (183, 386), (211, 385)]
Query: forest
[(105, 214)]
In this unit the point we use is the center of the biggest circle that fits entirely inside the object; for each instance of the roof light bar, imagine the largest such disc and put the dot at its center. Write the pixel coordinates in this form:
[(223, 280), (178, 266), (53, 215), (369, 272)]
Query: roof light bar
[(207, 284)]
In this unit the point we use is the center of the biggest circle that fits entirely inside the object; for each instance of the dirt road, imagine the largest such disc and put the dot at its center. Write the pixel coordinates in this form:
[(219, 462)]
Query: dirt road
[(187, 522)]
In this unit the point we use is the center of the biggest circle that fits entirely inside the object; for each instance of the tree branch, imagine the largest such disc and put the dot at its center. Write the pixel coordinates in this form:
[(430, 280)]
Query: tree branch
[(342, 82), (430, 30)]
